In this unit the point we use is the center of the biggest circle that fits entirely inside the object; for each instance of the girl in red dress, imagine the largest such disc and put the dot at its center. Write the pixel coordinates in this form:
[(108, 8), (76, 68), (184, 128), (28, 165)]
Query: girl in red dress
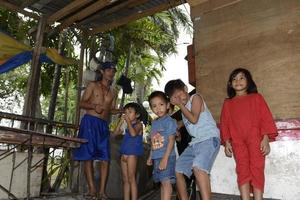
[(247, 127)]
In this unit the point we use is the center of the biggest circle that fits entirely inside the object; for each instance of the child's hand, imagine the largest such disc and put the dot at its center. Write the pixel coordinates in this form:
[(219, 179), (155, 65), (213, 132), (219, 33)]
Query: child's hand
[(265, 146), (149, 161), (122, 117), (228, 149), (126, 118), (163, 164)]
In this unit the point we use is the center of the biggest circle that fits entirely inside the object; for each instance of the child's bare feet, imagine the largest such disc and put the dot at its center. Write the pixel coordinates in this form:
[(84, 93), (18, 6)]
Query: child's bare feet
[(90, 196), (102, 196)]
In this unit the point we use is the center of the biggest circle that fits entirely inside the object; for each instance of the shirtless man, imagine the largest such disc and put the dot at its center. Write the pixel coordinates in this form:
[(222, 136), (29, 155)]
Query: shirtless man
[(99, 101)]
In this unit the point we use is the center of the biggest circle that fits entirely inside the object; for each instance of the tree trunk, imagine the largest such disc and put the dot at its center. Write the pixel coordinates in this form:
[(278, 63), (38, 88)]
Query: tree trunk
[(63, 170), (46, 186), (56, 81), (140, 87), (67, 81)]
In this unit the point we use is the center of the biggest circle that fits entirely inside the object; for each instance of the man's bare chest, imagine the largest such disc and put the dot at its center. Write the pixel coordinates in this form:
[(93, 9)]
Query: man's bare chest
[(102, 94)]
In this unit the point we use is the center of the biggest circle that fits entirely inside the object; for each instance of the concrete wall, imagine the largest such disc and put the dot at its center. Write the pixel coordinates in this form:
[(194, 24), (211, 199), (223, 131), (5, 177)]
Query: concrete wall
[(260, 35), (281, 172), (19, 176)]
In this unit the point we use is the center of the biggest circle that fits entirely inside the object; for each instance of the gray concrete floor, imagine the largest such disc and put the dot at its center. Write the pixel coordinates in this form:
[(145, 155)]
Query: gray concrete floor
[(65, 197), (152, 195), (155, 195)]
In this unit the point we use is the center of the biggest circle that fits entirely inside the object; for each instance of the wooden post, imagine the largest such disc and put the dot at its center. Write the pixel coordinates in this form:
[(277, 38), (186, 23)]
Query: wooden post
[(33, 89), (79, 81), (33, 84), (76, 168)]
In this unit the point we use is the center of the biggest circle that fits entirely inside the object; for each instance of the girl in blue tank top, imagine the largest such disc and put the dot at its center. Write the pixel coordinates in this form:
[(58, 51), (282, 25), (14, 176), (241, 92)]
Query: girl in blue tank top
[(131, 147)]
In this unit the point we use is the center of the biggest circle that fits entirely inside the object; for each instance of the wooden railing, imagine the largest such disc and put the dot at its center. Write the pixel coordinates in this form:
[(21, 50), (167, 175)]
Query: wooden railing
[(30, 135), (43, 132)]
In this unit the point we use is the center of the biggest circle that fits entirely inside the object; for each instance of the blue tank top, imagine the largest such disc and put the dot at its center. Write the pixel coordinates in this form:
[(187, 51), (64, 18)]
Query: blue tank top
[(205, 127), (132, 145)]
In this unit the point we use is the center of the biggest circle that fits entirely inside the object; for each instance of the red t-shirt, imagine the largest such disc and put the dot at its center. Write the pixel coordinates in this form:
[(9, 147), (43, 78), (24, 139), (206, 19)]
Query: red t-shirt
[(244, 117)]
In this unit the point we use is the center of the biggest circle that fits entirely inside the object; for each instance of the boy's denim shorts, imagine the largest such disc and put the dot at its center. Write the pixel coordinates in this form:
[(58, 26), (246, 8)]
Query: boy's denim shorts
[(167, 174), (200, 155)]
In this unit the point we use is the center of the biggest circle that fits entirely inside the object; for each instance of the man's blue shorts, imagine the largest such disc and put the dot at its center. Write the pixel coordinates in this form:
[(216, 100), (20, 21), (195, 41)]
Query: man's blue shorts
[(96, 132)]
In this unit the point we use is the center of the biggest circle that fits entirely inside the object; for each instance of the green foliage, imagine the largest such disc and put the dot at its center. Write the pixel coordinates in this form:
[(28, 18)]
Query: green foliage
[(15, 25), (14, 81), (150, 39)]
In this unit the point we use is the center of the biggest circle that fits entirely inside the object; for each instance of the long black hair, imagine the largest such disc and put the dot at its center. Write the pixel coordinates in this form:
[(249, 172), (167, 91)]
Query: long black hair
[(251, 86)]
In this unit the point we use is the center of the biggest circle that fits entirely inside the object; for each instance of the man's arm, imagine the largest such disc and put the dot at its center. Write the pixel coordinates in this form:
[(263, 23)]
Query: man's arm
[(84, 102)]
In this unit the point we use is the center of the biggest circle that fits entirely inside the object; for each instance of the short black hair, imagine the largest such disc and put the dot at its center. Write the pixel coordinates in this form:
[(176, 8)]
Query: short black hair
[(251, 86), (172, 85), (160, 94), (136, 107)]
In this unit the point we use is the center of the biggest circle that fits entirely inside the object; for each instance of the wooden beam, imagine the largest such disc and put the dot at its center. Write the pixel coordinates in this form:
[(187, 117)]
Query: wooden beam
[(18, 136), (39, 121), (98, 5), (70, 8), (15, 8), (129, 3), (27, 3), (135, 16)]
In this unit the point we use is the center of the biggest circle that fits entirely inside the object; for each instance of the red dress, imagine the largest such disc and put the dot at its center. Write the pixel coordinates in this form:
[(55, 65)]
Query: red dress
[(244, 121)]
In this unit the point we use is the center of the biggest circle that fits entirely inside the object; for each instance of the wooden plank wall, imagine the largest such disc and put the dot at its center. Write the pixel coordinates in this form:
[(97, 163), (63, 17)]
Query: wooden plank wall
[(260, 35)]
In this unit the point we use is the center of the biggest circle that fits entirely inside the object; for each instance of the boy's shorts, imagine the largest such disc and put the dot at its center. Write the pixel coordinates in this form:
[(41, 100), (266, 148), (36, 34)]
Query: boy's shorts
[(200, 155), (167, 174), (96, 132)]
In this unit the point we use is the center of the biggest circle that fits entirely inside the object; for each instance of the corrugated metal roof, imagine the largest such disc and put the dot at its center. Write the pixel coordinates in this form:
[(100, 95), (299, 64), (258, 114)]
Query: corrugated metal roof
[(97, 15)]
